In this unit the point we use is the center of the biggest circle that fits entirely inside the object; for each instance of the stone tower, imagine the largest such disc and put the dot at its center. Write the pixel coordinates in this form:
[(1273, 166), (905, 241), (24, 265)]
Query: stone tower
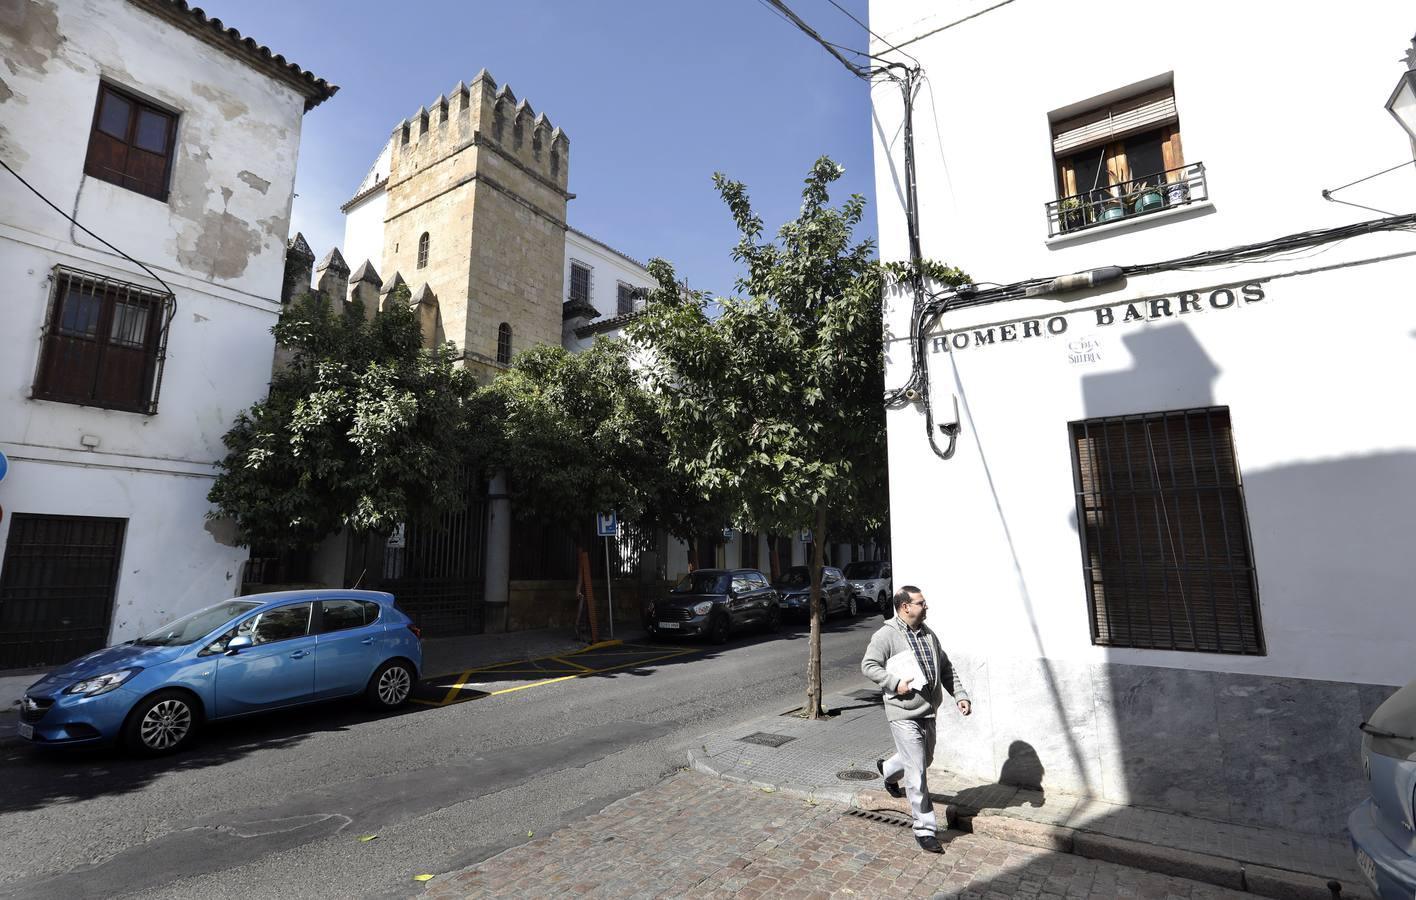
[(476, 211)]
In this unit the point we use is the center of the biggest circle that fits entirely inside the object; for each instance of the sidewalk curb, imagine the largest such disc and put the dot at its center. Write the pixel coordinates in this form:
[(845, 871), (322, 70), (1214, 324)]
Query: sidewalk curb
[(1235, 874)]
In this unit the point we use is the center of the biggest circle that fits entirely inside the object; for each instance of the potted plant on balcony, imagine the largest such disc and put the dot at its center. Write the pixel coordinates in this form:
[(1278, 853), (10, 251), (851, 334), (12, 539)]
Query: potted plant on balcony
[(1113, 205), (1072, 213), (1145, 197), (1177, 191)]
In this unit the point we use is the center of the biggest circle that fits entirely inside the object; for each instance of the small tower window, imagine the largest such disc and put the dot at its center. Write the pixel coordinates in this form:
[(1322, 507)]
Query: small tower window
[(504, 344), (423, 251)]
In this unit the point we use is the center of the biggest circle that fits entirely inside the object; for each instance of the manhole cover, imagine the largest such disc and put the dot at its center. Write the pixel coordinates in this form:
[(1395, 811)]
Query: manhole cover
[(766, 739), (857, 775)]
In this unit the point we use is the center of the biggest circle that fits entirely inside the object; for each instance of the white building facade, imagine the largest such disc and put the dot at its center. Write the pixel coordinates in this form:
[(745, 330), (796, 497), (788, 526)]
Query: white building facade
[(121, 371), (1168, 550)]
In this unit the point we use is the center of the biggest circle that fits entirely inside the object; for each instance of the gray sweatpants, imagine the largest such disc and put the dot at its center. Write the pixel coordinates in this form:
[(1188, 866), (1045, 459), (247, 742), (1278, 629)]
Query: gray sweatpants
[(914, 751)]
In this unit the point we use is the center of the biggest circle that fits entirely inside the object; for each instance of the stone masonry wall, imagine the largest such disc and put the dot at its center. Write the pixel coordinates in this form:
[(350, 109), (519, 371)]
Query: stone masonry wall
[(485, 178)]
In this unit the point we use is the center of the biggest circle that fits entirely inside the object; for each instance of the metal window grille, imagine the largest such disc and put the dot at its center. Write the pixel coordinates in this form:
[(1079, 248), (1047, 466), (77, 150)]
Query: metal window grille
[(57, 587), (1164, 533), (625, 300), (423, 251), (579, 283), (504, 344), (104, 342)]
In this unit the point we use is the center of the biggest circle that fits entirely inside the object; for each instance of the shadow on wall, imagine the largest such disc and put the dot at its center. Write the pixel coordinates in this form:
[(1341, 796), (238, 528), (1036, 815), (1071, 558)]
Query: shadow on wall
[(1261, 750)]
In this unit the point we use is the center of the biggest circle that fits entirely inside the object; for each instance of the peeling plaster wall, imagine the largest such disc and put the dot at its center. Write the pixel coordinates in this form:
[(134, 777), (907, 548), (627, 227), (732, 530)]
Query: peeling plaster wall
[(218, 241)]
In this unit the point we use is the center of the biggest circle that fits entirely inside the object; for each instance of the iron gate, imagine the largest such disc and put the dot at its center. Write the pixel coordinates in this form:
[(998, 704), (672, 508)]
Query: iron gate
[(56, 588), (436, 570)]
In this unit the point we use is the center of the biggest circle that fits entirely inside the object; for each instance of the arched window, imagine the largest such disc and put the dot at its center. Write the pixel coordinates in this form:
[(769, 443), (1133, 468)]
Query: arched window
[(504, 344), (423, 251)]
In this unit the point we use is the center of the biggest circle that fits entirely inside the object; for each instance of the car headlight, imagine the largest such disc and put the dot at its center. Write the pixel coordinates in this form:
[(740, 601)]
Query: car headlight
[(702, 609), (101, 684)]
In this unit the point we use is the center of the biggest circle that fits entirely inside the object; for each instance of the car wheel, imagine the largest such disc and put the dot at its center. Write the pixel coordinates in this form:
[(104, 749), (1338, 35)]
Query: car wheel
[(163, 723), (721, 628), (390, 686), (774, 619), (851, 609)]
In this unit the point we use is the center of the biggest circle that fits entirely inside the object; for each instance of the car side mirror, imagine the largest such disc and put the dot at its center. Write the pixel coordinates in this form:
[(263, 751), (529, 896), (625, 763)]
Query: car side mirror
[(238, 643)]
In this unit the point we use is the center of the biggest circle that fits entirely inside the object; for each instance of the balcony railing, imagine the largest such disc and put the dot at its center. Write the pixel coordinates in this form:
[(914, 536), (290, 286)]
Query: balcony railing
[(1127, 200)]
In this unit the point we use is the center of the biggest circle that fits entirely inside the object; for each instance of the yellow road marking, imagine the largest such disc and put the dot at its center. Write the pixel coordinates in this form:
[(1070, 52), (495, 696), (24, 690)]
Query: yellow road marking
[(463, 681), (570, 663), (455, 689)]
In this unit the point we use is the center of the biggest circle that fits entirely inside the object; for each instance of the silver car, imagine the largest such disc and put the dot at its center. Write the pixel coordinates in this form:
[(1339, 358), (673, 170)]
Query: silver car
[(872, 582), (1383, 828)]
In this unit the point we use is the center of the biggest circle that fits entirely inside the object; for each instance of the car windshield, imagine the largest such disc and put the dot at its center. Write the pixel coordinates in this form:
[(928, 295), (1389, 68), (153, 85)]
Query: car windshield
[(194, 626), (795, 577), (703, 583), (862, 570)]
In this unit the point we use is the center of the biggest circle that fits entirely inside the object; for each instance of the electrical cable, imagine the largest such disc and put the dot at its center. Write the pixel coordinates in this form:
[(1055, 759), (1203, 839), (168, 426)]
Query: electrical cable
[(172, 295), (873, 34)]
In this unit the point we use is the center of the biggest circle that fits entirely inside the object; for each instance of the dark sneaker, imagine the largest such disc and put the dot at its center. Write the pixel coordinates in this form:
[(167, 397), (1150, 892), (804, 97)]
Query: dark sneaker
[(891, 788), (929, 843)]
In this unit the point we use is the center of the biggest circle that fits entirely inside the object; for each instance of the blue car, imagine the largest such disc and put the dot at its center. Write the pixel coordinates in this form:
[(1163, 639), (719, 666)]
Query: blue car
[(241, 656), (1383, 828)]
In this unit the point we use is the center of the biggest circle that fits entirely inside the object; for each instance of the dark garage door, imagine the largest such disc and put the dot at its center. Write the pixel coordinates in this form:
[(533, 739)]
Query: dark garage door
[(56, 588)]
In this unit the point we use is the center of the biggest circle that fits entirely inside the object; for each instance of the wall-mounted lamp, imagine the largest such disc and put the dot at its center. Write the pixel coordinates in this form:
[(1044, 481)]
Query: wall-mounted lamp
[(1402, 103)]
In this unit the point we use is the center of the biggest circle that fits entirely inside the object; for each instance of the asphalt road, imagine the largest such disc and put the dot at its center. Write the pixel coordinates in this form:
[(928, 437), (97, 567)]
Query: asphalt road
[(277, 805)]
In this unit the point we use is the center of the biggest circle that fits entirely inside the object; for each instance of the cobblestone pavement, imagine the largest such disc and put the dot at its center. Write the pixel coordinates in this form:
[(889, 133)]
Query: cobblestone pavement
[(695, 836)]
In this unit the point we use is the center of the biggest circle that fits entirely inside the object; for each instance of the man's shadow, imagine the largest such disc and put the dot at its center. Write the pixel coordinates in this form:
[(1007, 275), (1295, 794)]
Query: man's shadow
[(1019, 784)]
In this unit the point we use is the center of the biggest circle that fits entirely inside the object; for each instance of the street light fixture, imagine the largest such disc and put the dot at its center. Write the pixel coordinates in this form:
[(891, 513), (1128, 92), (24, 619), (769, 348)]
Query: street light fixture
[(1402, 103)]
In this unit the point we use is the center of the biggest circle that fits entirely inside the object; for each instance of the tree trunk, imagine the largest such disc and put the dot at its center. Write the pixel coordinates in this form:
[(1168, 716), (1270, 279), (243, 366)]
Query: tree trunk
[(818, 614)]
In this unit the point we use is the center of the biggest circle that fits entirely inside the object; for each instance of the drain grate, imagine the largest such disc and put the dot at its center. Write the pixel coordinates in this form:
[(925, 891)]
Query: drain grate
[(766, 739), (857, 775), (884, 818)]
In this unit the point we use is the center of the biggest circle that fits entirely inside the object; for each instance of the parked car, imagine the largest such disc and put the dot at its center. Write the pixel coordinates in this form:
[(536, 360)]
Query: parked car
[(240, 656), (1383, 827), (873, 583), (794, 584), (713, 603)]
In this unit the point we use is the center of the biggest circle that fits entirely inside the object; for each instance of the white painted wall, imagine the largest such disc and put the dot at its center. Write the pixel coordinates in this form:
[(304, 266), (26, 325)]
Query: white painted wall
[(218, 241), (364, 232), (608, 269), (1327, 455)]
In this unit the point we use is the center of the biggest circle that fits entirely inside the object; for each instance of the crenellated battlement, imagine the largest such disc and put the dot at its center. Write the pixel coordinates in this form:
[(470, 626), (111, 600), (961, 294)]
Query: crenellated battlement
[(481, 114)]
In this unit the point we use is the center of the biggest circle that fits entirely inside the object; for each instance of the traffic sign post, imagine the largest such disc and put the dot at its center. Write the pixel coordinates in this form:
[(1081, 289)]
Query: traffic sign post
[(607, 527)]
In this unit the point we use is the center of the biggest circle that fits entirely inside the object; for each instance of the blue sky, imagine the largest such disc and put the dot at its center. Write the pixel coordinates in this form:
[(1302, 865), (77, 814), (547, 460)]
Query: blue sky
[(655, 95)]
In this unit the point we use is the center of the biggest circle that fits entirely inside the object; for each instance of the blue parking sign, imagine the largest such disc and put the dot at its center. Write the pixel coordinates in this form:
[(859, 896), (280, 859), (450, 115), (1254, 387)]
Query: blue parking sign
[(606, 524)]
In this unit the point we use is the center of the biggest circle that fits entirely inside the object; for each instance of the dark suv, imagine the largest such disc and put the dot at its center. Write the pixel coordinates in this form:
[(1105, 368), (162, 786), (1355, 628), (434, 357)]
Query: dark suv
[(713, 602), (837, 595)]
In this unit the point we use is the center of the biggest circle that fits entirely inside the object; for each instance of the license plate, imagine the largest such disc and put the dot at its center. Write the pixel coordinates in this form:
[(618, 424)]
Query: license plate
[(1369, 868), (26, 731), (669, 625)]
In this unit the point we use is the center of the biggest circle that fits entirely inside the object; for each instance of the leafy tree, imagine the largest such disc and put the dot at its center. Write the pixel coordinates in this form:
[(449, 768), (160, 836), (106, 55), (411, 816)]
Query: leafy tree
[(362, 427), (775, 403)]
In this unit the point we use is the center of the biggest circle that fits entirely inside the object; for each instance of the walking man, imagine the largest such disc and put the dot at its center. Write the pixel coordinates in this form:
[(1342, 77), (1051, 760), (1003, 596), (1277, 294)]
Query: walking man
[(905, 644)]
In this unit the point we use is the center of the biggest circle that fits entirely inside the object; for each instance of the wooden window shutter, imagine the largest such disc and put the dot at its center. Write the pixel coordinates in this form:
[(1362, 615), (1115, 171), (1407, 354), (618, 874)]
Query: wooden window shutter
[(1135, 114), (1164, 533), (1171, 152)]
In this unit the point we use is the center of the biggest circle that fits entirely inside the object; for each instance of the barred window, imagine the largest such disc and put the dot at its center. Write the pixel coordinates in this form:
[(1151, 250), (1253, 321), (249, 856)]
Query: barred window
[(625, 299), (579, 283), (423, 251), (504, 344), (103, 343), (1164, 533), (130, 143)]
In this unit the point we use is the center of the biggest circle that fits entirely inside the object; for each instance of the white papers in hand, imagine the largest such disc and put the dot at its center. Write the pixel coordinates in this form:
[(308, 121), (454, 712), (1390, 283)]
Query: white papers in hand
[(905, 666)]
